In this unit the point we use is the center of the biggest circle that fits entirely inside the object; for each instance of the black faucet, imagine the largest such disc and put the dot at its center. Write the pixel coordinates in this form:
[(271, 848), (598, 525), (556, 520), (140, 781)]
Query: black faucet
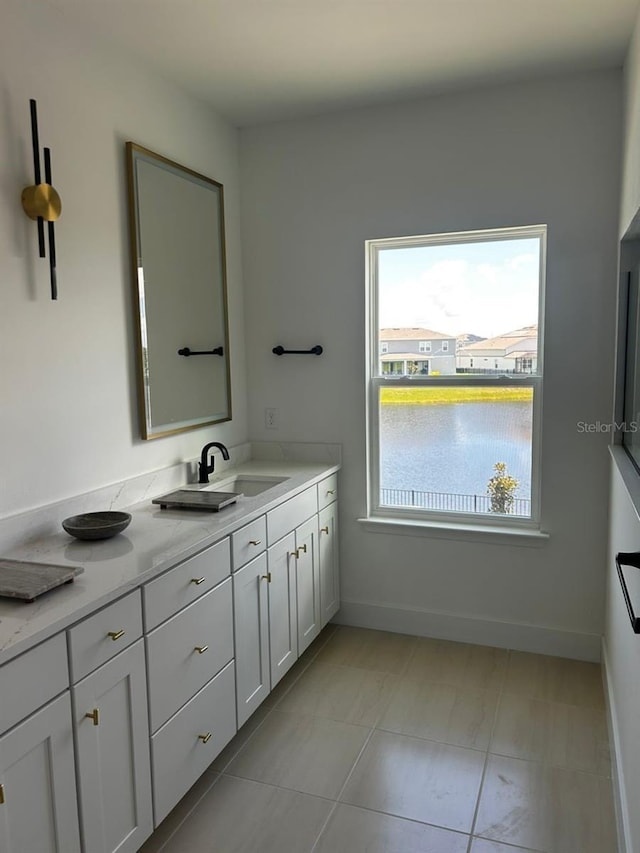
[(204, 468)]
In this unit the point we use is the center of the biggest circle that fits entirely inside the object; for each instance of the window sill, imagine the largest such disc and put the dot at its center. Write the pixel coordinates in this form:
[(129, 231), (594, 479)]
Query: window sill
[(493, 535)]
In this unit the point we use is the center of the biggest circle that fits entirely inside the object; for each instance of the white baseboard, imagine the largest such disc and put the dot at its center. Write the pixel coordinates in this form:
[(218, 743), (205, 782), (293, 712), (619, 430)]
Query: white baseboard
[(469, 629), (617, 775)]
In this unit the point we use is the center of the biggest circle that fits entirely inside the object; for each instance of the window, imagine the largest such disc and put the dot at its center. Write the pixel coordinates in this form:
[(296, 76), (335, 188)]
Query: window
[(384, 347), (457, 444), (424, 346)]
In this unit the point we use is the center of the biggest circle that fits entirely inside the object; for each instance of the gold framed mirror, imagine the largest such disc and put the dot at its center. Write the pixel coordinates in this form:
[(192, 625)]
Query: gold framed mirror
[(178, 267)]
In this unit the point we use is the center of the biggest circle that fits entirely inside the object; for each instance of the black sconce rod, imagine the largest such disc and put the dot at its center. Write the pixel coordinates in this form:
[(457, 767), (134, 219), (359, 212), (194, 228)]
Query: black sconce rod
[(50, 231), (629, 559), (316, 350), (187, 352), (35, 142)]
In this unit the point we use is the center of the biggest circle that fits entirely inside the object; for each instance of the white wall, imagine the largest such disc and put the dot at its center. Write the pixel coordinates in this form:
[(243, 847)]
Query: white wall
[(621, 645), (312, 192), (68, 419)]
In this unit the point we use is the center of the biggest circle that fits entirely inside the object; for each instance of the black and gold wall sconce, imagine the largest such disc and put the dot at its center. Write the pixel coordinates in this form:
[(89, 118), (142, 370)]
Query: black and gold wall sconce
[(41, 201)]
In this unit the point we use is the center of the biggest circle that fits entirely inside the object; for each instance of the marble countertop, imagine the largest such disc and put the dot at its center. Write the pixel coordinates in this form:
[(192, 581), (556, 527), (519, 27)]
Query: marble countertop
[(155, 540)]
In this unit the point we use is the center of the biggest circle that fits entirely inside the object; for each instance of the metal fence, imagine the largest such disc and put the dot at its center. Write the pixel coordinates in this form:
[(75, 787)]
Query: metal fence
[(448, 502)]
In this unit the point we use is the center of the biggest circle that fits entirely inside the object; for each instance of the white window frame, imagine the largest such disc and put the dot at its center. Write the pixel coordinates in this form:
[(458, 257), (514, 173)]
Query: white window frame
[(375, 382), (445, 346), (424, 347), (384, 347)]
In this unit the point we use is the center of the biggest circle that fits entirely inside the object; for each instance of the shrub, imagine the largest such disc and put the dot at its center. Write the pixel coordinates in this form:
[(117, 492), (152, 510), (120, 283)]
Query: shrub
[(501, 489)]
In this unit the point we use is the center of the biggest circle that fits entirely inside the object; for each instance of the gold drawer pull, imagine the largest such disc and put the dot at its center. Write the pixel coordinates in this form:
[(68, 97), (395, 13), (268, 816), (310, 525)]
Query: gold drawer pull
[(1, 795), (294, 554), (115, 635), (255, 541), (205, 738), (324, 530), (197, 581), (303, 548), (95, 716), (201, 649), (266, 577), (331, 492)]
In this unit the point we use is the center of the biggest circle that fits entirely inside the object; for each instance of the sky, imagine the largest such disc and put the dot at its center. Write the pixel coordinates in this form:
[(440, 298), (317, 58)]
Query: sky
[(484, 288)]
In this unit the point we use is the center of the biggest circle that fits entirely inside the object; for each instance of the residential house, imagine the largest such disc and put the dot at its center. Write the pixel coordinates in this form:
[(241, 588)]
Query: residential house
[(512, 352), (416, 351)]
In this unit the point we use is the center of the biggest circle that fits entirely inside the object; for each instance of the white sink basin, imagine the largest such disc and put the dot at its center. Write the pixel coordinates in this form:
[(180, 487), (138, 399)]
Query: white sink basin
[(248, 485)]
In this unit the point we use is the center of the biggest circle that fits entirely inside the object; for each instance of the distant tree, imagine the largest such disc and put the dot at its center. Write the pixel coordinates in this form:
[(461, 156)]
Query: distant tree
[(501, 489)]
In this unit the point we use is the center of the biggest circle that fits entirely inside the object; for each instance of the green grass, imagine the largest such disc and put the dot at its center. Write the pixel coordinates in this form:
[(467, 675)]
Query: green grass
[(434, 396)]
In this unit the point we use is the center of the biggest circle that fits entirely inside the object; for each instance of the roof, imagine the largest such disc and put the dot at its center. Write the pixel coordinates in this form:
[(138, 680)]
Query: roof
[(502, 342), (413, 334)]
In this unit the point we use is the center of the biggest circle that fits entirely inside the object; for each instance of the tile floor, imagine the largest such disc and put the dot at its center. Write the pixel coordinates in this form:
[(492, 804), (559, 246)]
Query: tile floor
[(384, 743)]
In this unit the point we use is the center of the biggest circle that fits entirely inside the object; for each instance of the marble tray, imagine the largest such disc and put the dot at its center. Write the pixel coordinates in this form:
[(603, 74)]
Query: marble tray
[(25, 580), (190, 499)]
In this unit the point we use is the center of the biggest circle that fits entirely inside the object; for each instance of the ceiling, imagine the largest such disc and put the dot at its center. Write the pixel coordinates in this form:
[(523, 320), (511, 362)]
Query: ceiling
[(257, 61)]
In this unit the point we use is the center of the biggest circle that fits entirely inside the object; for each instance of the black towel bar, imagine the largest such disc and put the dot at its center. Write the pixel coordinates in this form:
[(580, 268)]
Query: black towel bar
[(316, 350), (186, 351)]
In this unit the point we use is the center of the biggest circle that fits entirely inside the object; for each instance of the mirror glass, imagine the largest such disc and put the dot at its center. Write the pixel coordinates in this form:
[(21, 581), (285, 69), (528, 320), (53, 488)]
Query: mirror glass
[(180, 293)]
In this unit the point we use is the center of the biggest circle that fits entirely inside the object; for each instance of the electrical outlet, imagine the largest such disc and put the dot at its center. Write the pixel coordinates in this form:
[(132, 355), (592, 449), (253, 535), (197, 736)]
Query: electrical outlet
[(271, 418)]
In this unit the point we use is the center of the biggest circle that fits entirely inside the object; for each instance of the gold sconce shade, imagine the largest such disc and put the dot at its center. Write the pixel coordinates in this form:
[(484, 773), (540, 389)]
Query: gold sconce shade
[(42, 201)]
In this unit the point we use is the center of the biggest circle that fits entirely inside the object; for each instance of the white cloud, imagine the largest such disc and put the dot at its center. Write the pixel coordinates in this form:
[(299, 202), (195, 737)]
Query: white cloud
[(456, 295)]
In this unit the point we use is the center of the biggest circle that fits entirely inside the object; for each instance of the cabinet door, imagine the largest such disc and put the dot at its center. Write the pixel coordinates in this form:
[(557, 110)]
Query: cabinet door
[(307, 583), (112, 737), (329, 566), (283, 612), (250, 619), (38, 804)]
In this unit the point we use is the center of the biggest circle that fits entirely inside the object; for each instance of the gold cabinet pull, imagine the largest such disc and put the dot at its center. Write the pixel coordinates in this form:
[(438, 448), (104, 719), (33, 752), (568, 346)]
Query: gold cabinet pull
[(303, 548), (294, 554), (200, 649), (331, 491), (115, 635), (197, 581), (325, 530), (255, 541), (205, 738), (1, 795), (95, 716), (266, 577)]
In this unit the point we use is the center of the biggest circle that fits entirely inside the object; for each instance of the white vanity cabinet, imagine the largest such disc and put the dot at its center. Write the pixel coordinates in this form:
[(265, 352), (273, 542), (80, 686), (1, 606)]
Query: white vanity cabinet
[(38, 804), (328, 562), (283, 607), (106, 724), (112, 731), (191, 671), (307, 583), (251, 628)]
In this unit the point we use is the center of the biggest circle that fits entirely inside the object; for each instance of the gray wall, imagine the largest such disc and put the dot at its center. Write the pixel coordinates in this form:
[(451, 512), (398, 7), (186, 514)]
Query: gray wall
[(312, 192), (67, 383), (621, 645)]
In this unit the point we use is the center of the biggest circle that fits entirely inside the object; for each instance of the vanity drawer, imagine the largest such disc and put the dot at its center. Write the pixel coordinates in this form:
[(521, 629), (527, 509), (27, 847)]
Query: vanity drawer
[(100, 637), (248, 542), (327, 491), (180, 753), (182, 585), (32, 679), (187, 651), (286, 517)]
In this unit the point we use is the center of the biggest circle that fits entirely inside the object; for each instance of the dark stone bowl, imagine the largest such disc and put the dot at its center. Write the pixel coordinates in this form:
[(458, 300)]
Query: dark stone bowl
[(96, 525)]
